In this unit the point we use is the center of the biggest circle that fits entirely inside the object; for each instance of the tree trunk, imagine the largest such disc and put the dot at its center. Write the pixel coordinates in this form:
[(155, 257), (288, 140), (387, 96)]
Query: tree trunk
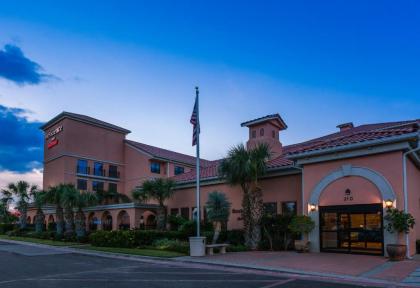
[(39, 221), (22, 218), (59, 221), (161, 218), (80, 224), (252, 214), (69, 221), (217, 229)]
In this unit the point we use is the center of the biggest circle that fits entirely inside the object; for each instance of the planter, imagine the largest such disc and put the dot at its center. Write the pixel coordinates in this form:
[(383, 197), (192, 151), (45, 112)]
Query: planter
[(396, 252), (302, 245)]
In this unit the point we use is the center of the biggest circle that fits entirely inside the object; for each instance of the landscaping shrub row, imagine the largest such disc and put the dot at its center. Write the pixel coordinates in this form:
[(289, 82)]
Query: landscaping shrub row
[(4, 228), (133, 238)]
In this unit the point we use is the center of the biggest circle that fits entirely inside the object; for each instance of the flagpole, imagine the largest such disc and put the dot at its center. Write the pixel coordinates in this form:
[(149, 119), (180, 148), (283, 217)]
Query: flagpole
[(198, 165)]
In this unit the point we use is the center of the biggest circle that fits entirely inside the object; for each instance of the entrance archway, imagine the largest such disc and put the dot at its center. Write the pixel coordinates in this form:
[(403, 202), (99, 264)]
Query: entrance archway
[(123, 220), (92, 222), (383, 186), (106, 221), (150, 222)]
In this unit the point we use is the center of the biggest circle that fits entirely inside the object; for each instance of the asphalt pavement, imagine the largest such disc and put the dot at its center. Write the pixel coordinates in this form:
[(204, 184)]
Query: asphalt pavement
[(23, 266)]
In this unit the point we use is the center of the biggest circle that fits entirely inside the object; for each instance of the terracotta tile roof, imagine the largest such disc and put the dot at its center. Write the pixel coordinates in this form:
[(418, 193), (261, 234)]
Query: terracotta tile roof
[(167, 154), (354, 135), (83, 118)]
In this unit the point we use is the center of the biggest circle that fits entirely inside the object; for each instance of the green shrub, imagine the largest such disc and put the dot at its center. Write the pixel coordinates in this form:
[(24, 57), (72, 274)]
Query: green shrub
[(17, 232), (171, 245), (237, 248), (6, 227)]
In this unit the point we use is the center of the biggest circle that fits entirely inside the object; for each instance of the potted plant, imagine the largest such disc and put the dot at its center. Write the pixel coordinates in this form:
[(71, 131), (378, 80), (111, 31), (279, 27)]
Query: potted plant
[(301, 225), (398, 222)]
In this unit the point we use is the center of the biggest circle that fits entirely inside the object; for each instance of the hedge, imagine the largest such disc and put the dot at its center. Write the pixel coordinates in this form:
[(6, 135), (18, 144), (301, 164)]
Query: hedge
[(133, 238), (6, 227)]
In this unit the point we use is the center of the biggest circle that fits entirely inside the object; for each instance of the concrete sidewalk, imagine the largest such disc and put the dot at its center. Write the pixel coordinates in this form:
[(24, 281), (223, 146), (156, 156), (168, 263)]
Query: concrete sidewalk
[(373, 269)]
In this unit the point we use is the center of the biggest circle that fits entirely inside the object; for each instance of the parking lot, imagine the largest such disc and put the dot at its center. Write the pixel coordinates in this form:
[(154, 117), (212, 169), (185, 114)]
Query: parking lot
[(33, 267)]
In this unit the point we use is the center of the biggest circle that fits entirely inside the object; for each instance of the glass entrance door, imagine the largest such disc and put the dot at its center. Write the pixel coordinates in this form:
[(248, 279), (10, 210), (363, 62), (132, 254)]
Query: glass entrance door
[(352, 229)]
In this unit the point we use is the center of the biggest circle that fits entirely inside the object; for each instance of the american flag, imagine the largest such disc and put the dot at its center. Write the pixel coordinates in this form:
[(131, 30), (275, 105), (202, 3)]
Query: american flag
[(195, 122)]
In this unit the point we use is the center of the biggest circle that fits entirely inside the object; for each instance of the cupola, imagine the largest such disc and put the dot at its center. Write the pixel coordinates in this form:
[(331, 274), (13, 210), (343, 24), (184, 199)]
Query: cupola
[(266, 130)]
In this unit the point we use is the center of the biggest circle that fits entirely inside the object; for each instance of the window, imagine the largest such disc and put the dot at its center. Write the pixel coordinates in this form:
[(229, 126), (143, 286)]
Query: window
[(82, 167), (97, 186), (289, 208), (174, 211), (254, 134), (270, 208), (273, 134), (98, 169), (82, 184), (113, 171), (155, 167), (179, 170), (112, 187), (262, 132), (185, 212)]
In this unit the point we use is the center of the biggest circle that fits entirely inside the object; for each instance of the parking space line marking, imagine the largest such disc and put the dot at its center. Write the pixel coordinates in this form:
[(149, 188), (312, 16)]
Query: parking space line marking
[(279, 283)]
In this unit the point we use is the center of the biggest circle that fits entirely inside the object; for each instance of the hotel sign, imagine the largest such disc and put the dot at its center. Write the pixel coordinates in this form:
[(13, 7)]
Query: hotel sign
[(50, 136), (54, 132)]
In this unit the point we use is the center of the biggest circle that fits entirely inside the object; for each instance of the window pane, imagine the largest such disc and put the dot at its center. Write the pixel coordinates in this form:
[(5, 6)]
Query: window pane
[(329, 221), (174, 211), (112, 187), (82, 166), (185, 212), (270, 208), (155, 167), (98, 169), (289, 208), (113, 171), (179, 170), (97, 186), (82, 184)]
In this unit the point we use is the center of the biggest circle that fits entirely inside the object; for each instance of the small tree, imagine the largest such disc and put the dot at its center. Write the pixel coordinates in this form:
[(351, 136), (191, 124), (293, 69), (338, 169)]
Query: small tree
[(218, 211), (5, 200), (83, 200), (69, 202), (22, 190), (54, 197), (39, 200), (244, 167), (399, 221), (159, 189)]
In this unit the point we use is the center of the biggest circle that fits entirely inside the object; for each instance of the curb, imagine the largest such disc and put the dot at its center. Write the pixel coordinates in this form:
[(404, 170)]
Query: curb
[(186, 260)]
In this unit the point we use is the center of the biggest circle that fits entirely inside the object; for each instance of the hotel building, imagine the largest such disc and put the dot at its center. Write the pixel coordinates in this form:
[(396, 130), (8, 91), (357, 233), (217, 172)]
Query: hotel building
[(343, 181)]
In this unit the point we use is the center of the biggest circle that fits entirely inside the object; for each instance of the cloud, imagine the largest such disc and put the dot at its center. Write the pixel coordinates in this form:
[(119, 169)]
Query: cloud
[(15, 67), (21, 141), (33, 177)]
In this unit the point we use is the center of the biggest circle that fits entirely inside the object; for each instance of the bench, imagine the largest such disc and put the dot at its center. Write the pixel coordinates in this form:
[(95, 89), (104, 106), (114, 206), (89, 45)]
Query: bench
[(222, 248)]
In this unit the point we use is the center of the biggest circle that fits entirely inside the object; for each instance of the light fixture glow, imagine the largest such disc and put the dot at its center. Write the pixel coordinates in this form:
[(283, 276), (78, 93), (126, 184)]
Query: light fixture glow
[(312, 207), (389, 203)]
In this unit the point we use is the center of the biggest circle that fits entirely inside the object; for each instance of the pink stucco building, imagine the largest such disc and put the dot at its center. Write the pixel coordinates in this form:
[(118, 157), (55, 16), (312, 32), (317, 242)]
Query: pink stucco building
[(342, 180)]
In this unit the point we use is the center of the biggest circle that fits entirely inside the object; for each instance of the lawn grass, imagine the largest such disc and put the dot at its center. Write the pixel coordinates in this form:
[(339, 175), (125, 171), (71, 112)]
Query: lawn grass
[(39, 241), (135, 251)]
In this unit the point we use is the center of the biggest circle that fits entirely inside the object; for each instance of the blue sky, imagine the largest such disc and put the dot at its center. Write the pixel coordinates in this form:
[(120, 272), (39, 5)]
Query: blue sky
[(135, 64)]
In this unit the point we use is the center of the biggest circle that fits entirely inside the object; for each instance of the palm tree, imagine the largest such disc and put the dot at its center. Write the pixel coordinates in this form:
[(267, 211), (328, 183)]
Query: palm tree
[(218, 210), (5, 201), (244, 167), (69, 202), (39, 200), (54, 197), (159, 189), (108, 197), (22, 190), (83, 200)]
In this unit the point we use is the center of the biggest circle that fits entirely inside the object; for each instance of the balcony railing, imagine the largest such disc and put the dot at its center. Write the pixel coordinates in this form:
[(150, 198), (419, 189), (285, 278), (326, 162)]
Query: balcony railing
[(97, 172), (114, 174)]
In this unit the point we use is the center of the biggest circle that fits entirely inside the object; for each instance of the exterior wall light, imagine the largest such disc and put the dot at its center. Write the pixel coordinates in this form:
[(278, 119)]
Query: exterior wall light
[(389, 203), (312, 207)]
